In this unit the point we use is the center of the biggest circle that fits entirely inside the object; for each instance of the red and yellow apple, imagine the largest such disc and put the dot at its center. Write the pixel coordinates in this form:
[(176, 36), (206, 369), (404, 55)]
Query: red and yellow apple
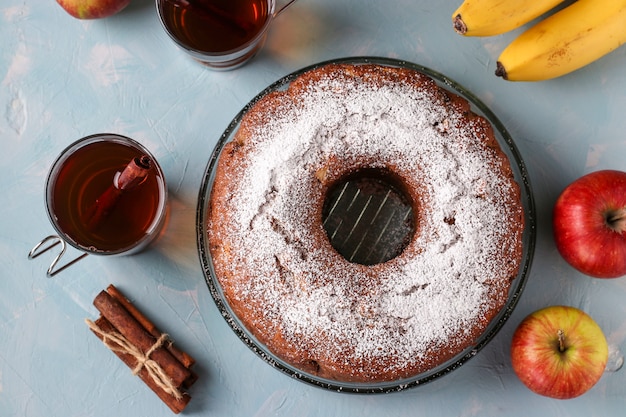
[(93, 9), (559, 352), (589, 222)]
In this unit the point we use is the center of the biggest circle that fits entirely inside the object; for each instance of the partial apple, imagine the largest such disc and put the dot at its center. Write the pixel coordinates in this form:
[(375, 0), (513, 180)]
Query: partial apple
[(93, 9), (559, 352), (589, 222)]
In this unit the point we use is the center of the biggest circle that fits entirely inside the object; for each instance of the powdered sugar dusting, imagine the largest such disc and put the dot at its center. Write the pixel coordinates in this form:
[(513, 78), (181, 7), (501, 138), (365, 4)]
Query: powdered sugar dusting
[(450, 277)]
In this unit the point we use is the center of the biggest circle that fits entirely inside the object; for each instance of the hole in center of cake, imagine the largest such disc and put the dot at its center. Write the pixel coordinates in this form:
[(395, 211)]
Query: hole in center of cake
[(368, 217)]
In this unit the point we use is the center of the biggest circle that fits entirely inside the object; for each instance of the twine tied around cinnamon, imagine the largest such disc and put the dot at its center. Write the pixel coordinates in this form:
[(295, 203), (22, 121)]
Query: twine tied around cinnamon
[(118, 343)]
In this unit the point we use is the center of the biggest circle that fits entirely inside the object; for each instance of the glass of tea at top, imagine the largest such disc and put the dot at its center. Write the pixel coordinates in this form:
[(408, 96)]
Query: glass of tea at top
[(222, 34), (105, 195)]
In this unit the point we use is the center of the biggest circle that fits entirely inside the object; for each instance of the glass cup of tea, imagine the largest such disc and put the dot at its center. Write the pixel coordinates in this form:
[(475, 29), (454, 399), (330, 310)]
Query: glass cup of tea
[(222, 34), (105, 195)]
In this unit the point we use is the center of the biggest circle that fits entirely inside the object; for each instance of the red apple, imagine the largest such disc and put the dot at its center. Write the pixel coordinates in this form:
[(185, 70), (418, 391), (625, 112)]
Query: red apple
[(589, 222), (93, 9), (559, 352)]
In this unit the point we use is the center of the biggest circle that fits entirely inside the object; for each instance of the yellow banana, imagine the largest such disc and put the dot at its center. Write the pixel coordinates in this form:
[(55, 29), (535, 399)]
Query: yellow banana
[(566, 41), (493, 17)]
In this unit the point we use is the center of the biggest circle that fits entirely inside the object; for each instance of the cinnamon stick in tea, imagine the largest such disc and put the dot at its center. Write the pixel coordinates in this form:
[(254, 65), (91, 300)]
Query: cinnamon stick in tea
[(130, 328), (131, 176), (175, 404), (185, 359)]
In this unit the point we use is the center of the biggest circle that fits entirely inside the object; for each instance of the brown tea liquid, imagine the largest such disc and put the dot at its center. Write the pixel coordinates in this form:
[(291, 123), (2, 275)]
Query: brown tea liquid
[(215, 26), (83, 178)]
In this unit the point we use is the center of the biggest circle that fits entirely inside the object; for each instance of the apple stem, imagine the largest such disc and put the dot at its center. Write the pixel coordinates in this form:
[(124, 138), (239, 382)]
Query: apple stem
[(561, 335)]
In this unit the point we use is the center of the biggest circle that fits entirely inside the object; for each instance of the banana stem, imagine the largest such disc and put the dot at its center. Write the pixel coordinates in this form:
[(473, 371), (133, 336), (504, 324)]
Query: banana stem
[(501, 71), (459, 25)]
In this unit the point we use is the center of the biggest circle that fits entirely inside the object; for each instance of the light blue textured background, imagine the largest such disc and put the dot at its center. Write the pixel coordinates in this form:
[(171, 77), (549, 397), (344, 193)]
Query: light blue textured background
[(62, 79)]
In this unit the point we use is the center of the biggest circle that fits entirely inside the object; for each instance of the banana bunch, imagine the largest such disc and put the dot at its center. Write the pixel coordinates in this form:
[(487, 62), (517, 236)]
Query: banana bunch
[(563, 42)]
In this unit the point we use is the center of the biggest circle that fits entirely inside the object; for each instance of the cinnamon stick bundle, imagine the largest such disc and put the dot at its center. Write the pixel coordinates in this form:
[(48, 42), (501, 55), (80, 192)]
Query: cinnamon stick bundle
[(142, 347)]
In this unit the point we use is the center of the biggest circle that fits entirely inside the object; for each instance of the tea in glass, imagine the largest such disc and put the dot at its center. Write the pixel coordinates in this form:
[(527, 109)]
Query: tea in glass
[(106, 195), (215, 25), (222, 34)]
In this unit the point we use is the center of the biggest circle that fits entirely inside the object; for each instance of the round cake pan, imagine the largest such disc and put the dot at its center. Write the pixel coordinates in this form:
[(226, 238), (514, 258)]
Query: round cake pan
[(521, 176)]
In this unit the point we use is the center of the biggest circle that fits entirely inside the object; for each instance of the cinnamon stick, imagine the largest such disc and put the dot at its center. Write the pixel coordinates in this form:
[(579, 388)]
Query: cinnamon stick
[(131, 176), (142, 347), (186, 360), (134, 173), (130, 328), (175, 404)]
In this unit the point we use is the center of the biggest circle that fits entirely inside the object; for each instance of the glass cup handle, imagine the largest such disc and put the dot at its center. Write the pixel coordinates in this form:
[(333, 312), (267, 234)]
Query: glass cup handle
[(52, 241), (283, 7)]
